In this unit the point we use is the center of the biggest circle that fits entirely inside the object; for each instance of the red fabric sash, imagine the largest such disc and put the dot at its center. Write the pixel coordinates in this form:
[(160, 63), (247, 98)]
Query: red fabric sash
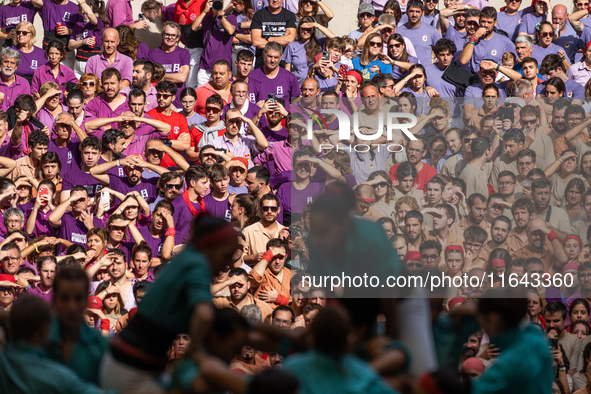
[(193, 210)]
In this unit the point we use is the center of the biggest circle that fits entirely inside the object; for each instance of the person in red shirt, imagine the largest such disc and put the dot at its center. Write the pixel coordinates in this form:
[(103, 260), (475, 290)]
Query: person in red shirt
[(415, 151), (179, 135)]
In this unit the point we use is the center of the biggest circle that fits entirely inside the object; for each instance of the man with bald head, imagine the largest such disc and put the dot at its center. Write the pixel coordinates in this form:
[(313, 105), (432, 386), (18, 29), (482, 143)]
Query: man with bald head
[(111, 58), (569, 40), (363, 206), (550, 252)]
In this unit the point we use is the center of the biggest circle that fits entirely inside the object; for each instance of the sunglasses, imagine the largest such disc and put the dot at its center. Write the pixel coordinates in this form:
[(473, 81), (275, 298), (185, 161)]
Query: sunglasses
[(22, 33), (215, 110), (272, 209), (394, 46), (547, 34), (532, 122), (170, 186), (375, 44), (118, 228), (165, 96), (468, 140), (88, 83), (365, 15), (237, 122), (380, 185), (578, 4)]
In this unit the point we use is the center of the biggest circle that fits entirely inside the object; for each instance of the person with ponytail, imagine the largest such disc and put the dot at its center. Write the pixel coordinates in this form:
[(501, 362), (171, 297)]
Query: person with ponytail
[(87, 33)]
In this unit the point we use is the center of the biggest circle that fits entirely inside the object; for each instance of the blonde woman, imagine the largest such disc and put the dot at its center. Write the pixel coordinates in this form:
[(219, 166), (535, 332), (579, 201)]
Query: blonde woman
[(32, 57), (90, 86), (402, 207)]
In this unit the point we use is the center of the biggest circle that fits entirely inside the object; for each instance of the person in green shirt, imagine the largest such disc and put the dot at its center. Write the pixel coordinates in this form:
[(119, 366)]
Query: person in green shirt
[(71, 341), (525, 363), (24, 366)]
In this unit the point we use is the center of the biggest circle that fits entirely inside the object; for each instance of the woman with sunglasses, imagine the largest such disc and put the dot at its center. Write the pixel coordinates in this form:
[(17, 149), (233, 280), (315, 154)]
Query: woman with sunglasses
[(48, 105), (318, 11), (90, 86), (11, 16), (365, 20), (385, 202), (369, 62), (544, 45), (398, 57), (31, 56), (414, 83), (87, 33), (53, 71)]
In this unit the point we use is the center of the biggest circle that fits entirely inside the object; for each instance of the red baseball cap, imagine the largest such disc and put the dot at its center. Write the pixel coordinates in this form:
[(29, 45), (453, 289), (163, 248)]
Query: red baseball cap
[(238, 162), (94, 302), (7, 278)]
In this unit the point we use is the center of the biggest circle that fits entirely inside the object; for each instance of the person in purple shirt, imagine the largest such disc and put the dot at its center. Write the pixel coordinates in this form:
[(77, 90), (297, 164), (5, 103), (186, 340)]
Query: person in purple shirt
[(142, 78), (11, 145), (173, 58), (46, 266), (157, 13), (31, 56), (552, 67), (111, 103), (37, 223), (67, 147), (444, 51), (53, 71), (219, 31), (11, 85), (569, 39), (217, 203), (530, 20), (272, 79), (544, 45), (274, 113), (155, 234), (134, 164), (488, 75), (74, 225), (58, 18), (111, 58), (190, 203), (14, 13), (422, 35), (119, 12), (510, 19), (87, 34), (238, 167), (91, 152), (485, 43)]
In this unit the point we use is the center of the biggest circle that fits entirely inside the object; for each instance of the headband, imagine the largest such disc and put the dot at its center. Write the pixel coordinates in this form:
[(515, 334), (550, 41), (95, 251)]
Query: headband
[(355, 75), (585, 50), (473, 363), (454, 301), (498, 263), (454, 247), (367, 200), (412, 255), (570, 266), (573, 237)]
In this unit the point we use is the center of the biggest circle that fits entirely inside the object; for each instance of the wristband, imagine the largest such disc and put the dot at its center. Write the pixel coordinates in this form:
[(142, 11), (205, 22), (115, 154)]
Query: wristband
[(105, 325), (498, 67), (282, 300), (171, 232), (267, 256), (470, 42), (118, 163), (498, 136), (552, 236), (36, 248), (589, 9), (27, 287)]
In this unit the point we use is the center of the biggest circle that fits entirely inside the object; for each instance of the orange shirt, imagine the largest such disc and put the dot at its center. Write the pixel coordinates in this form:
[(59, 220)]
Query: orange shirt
[(269, 281), (226, 302), (546, 255)]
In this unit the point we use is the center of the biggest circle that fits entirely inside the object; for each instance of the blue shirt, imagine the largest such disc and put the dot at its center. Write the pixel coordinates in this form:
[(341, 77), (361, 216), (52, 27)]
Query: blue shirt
[(365, 70)]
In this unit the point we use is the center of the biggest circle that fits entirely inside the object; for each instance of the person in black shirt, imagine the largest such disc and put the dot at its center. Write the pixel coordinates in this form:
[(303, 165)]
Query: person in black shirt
[(272, 24)]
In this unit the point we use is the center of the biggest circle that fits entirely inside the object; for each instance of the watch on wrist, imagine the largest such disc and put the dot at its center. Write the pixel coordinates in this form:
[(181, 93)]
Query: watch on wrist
[(167, 142), (562, 368)]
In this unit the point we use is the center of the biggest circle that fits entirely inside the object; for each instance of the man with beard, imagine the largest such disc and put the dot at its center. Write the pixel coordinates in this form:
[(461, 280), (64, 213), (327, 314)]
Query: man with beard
[(522, 211), (269, 278), (46, 266), (513, 143), (238, 167), (248, 362), (541, 190), (477, 288), (272, 113), (113, 142), (414, 229), (239, 285), (142, 79), (116, 265), (415, 152), (485, 43), (208, 156), (154, 152), (552, 256), (476, 213), (555, 315), (260, 233), (239, 93), (219, 84), (500, 228), (558, 126), (111, 103), (430, 255), (134, 164), (471, 348), (458, 31), (156, 234), (74, 224), (573, 139), (11, 85), (453, 140), (257, 182), (422, 35), (443, 217), (455, 164)]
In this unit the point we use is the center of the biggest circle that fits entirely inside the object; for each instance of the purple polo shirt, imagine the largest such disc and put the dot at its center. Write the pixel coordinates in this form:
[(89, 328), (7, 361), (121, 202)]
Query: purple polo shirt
[(245, 147), (138, 143), (11, 151), (143, 51), (45, 117), (74, 230), (276, 136), (295, 55), (294, 200), (146, 187), (473, 94), (30, 61), (11, 16), (69, 154), (154, 243), (123, 63), (42, 226), (83, 30), (280, 153), (99, 108), (151, 101), (573, 90), (119, 12), (52, 14), (78, 177), (219, 46), (218, 209), (172, 63), (529, 22), (492, 49), (540, 53), (18, 87), (284, 86), (578, 72), (423, 38), (250, 110), (44, 74), (182, 220), (37, 292)]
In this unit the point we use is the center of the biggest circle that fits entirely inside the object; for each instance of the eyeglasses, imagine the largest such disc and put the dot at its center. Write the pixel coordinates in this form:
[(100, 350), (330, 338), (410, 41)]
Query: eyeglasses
[(547, 34), (502, 184), (5, 289), (472, 246), (22, 33), (88, 83), (226, 269), (528, 122), (267, 209), (468, 140), (237, 122), (389, 86), (524, 164), (380, 185), (414, 150), (305, 29), (117, 228), (394, 46), (215, 110), (375, 44), (513, 106), (165, 96), (170, 186), (429, 256)]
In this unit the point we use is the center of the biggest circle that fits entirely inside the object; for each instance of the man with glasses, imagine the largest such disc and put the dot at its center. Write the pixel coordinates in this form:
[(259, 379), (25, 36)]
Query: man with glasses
[(509, 19), (258, 234), (111, 58), (142, 79), (220, 84), (552, 256), (11, 85), (485, 43), (541, 144), (506, 186), (430, 254), (204, 133), (415, 152), (11, 258), (238, 285), (283, 317), (169, 185), (173, 58), (513, 142), (474, 239), (239, 94), (179, 136), (422, 35), (67, 149)]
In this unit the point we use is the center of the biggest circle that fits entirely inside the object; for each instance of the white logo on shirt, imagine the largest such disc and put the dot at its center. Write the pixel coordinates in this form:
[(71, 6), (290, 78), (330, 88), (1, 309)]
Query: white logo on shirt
[(144, 194), (24, 17), (493, 52), (79, 238), (280, 90), (176, 68), (425, 38), (121, 173), (176, 130), (66, 17), (252, 97), (33, 64)]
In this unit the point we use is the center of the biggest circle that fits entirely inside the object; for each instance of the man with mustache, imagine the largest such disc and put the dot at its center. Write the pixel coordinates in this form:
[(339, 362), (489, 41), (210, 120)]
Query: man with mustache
[(111, 103), (269, 278), (11, 85), (555, 315), (552, 256)]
